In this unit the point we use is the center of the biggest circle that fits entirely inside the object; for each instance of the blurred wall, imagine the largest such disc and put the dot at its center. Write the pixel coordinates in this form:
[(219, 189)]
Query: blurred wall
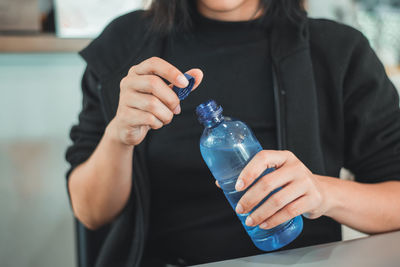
[(342, 10), (40, 99)]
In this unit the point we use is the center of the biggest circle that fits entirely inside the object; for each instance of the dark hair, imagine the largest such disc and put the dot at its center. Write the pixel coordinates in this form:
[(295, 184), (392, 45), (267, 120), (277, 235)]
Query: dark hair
[(175, 15)]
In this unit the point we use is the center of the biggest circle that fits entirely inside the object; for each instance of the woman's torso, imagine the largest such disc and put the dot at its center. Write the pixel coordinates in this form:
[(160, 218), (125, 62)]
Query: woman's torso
[(190, 217)]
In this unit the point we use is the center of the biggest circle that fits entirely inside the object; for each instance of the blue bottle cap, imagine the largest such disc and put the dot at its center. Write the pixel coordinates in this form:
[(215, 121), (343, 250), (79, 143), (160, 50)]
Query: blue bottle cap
[(182, 93)]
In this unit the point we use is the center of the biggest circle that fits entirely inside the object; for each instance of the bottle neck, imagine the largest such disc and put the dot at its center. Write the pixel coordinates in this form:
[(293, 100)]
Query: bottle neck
[(209, 114), (213, 121)]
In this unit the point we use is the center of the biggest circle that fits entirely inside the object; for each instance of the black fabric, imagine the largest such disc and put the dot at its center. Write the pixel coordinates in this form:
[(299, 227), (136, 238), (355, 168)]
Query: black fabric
[(92, 117), (190, 217), (334, 107)]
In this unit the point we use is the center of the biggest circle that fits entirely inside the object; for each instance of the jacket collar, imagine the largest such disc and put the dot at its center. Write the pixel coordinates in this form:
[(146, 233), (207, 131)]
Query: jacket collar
[(287, 38), (296, 93)]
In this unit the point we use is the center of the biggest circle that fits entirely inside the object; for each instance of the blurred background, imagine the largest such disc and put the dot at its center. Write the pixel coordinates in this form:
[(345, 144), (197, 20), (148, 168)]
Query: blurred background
[(40, 75)]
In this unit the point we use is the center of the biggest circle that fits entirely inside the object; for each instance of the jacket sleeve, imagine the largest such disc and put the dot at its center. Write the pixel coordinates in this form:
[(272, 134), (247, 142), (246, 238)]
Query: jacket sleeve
[(86, 134), (371, 117)]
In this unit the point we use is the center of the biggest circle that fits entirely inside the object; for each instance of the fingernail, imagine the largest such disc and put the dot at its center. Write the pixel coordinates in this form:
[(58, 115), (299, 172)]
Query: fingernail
[(239, 208), (239, 185), (264, 225), (183, 81), (177, 110), (249, 221)]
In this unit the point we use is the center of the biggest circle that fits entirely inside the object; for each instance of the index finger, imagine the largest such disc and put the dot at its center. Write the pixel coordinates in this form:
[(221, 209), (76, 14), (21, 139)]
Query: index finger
[(262, 161), (162, 68)]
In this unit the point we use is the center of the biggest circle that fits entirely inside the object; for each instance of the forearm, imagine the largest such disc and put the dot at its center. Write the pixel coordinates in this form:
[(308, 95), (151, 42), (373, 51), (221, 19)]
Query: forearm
[(370, 208), (100, 187)]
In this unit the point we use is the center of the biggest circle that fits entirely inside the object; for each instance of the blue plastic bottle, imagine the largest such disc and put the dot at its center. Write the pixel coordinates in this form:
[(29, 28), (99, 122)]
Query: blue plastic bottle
[(227, 145)]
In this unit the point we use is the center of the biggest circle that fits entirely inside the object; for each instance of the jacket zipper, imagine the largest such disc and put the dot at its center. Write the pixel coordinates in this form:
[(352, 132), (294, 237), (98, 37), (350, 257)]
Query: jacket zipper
[(279, 108)]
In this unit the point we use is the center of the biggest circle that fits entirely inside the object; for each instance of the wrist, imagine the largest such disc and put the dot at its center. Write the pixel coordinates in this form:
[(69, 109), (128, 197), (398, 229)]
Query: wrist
[(332, 195), (112, 136)]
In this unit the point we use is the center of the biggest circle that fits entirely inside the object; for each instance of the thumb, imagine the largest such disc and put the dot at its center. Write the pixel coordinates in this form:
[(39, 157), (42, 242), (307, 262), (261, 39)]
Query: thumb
[(197, 74)]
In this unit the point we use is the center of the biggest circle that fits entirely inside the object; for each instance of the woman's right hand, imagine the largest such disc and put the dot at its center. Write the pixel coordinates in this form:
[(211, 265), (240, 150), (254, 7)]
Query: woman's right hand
[(146, 101)]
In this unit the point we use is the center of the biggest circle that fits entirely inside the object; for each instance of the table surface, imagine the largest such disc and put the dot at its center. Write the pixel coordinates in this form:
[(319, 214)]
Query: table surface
[(378, 250)]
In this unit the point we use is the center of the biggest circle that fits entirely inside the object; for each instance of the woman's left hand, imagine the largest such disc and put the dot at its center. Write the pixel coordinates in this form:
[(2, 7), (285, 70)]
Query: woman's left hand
[(301, 191)]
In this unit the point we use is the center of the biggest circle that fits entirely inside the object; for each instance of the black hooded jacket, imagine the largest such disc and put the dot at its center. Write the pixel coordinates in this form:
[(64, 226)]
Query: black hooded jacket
[(335, 107)]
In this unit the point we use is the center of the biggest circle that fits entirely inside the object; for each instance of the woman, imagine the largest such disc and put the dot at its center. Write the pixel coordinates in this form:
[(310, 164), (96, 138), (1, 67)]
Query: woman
[(313, 91)]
